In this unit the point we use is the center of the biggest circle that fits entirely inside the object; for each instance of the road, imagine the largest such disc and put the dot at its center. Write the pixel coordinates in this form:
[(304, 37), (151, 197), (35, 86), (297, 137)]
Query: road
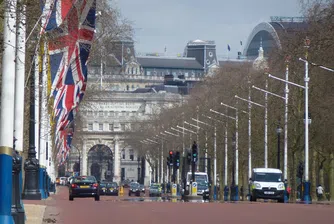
[(112, 209)]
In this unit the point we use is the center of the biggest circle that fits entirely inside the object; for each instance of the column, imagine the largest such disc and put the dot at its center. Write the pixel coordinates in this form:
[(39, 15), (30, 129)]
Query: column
[(117, 164), (147, 179), (83, 162)]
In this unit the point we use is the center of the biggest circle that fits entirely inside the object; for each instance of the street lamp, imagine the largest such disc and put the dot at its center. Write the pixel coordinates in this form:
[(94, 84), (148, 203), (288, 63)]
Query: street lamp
[(278, 131), (234, 187), (31, 165)]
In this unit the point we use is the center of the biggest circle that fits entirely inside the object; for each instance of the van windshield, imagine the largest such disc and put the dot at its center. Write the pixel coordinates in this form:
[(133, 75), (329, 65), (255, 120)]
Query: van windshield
[(268, 177), (199, 178)]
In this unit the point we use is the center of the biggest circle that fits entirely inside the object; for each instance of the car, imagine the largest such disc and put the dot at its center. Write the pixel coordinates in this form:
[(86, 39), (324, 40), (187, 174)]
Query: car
[(267, 183), (112, 188), (62, 181), (84, 186), (142, 188), (57, 181), (103, 188), (154, 191), (134, 189)]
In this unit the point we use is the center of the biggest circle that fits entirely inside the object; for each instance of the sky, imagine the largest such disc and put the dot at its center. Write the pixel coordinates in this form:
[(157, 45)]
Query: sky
[(172, 23)]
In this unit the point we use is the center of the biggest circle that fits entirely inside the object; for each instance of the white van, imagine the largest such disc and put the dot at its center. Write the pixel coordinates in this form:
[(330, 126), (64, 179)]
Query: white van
[(267, 183), (202, 180)]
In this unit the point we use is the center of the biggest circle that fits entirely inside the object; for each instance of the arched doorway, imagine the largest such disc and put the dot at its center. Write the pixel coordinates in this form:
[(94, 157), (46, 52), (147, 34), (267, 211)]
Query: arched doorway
[(100, 162), (61, 171), (76, 167)]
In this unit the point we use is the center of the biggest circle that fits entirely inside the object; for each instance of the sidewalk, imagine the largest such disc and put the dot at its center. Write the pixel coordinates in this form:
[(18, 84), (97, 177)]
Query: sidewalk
[(35, 210)]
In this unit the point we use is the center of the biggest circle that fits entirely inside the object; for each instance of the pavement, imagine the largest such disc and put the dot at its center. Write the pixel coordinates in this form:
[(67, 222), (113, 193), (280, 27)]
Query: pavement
[(113, 209)]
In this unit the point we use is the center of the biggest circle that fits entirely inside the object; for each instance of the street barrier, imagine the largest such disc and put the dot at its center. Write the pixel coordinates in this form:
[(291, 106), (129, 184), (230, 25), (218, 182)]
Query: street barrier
[(121, 191)]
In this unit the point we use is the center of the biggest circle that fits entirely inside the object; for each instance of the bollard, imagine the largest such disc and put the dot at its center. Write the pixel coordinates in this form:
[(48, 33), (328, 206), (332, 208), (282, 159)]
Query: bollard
[(17, 210), (226, 191), (41, 182), (6, 162), (49, 182), (21, 188), (215, 192), (174, 190), (45, 179), (121, 191), (286, 199)]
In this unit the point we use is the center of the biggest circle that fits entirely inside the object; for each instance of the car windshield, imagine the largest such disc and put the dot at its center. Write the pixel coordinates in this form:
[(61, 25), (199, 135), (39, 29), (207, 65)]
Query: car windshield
[(88, 179), (112, 185), (268, 177), (103, 185), (134, 185), (141, 186), (155, 187)]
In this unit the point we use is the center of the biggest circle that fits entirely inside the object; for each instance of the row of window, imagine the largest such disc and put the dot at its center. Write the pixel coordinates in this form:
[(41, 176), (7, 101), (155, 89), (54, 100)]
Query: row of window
[(111, 127), (113, 113)]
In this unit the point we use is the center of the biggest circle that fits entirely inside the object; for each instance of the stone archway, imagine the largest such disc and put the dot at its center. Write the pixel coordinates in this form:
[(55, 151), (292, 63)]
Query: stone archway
[(100, 162)]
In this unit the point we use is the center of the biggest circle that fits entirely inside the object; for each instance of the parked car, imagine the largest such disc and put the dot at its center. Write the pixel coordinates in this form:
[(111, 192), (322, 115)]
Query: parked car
[(112, 188), (134, 189), (84, 186)]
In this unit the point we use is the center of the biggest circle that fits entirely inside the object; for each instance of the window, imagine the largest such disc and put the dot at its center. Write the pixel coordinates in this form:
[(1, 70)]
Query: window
[(111, 127), (132, 157), (100, 127), (101, 113), (148, 72), (90, 127), (123, 153), (123, 127)]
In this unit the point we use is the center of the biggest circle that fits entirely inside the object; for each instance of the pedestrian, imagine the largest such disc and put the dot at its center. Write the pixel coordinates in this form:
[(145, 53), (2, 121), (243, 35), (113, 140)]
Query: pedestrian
[(320, 192)]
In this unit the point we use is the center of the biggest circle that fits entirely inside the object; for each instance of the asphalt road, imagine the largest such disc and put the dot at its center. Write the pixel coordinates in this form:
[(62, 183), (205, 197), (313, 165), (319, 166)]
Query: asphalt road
[(111, 209)]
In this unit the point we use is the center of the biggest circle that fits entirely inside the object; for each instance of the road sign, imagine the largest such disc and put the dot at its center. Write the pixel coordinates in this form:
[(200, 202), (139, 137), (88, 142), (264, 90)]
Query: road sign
[(194, 188), (174, 190)]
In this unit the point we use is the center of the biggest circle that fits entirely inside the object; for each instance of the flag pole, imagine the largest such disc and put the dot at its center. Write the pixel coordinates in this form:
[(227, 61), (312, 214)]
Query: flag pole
[(7, 109)]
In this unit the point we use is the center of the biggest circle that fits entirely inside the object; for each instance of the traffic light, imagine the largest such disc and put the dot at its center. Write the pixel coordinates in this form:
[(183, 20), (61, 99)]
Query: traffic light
[(171, 158), (189, 157), (300, 171), (177, 160), (194, 152)]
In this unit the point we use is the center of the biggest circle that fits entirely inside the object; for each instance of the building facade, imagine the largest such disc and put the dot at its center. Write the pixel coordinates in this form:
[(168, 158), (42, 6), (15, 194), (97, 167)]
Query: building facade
[(131, 89)]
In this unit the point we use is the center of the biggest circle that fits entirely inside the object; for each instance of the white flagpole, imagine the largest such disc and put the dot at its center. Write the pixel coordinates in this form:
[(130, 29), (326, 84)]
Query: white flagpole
[(20, 79)]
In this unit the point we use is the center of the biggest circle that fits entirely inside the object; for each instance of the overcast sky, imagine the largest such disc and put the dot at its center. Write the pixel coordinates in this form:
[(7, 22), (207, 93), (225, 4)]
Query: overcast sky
[(172, 23)]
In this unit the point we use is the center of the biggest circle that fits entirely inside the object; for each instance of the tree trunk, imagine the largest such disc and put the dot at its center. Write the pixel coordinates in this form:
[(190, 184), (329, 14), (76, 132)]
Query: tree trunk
[(292, 177), (331, 176), (314, 175)]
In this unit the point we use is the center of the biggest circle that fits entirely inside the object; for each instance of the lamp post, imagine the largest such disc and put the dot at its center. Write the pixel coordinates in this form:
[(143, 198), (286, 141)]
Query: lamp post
[(31, 165), (234, 188), (265, 127), (236, 118), (278, 131)]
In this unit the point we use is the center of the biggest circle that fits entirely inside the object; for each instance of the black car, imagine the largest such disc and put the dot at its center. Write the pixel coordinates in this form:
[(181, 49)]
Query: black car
[(112, 188), (103, 189), (84, 186), (134, 189), (142, 188)]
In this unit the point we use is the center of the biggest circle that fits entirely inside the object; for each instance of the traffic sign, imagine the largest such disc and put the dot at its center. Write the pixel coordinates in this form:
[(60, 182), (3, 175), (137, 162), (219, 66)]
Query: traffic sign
[(194, 188), (174, 190)]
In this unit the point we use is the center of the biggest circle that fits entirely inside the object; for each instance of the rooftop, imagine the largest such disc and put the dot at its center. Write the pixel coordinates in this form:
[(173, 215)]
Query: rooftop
[(168, 62)]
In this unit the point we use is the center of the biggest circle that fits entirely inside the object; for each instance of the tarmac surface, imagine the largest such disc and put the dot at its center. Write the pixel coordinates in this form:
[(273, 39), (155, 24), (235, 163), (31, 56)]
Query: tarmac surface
[(124, 209)]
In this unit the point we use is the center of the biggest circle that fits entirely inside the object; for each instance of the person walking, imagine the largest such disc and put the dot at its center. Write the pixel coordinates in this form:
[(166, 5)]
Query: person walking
[(320, 192)]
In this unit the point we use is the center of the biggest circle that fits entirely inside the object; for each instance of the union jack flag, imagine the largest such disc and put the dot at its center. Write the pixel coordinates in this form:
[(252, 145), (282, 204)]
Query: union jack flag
[(71, 25)]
